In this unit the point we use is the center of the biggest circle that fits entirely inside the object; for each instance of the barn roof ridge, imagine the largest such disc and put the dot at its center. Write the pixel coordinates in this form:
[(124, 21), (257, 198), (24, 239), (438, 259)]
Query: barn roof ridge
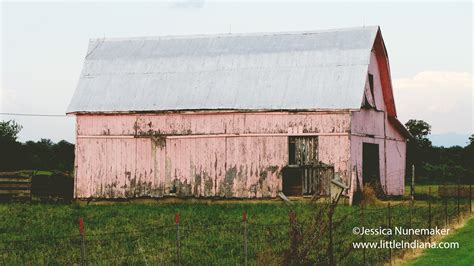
[(237, 34)]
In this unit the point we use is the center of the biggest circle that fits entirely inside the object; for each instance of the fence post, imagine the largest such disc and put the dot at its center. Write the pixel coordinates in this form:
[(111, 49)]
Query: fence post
[(389, 216), (429, 212), (412, 203), (244, 220), (446, 212), (363, 235), (459, 195), (412, 187), (83, 242), (470, 198), (178, 255), (331, 251)]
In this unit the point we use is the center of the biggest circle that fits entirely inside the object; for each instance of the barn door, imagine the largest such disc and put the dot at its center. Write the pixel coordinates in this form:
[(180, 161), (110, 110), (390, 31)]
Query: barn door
[(301, 177), (370, 164), (316, 180)]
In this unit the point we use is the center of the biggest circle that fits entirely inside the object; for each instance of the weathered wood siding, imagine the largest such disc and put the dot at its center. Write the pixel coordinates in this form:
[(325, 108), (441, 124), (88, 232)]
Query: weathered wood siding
[(372, 126), (213, 154)]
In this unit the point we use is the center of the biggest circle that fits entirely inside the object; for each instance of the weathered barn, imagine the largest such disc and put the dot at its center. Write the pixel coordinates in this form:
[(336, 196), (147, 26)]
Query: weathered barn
[(236, 115)]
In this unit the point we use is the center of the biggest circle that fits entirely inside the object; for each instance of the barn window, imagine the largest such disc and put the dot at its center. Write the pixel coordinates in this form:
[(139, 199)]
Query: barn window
[(371, 86), (303, 150), (369, 96)]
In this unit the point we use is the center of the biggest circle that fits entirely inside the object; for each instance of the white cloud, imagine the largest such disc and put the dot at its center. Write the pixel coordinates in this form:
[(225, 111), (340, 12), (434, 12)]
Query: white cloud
[(443, 99), (435, 80)]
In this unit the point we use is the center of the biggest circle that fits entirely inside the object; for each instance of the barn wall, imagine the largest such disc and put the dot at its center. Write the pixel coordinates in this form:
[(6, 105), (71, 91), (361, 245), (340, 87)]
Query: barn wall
[(372, 126), (201, 155)]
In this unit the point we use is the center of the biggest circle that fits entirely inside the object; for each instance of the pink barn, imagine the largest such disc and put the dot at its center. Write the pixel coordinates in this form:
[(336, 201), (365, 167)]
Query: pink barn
[(237, 115)]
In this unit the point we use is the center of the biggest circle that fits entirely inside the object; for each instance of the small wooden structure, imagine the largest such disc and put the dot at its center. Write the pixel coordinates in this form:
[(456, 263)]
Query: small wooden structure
[(15, 185), (28, 185)]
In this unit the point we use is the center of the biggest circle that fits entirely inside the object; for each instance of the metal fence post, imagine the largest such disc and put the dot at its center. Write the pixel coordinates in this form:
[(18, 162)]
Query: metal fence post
[(363, 235), (178, 255), (429, 212), (331, 251), (446, 212), (389, 216), (83, 242), (244, 220), (458, 202)]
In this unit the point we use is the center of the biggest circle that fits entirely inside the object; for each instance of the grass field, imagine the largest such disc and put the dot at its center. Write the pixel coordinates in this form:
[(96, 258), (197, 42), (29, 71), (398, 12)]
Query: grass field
[(464, 255), (210, 233)]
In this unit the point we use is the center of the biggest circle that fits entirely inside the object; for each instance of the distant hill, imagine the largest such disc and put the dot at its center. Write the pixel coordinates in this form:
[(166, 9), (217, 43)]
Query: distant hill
[(449, 139)]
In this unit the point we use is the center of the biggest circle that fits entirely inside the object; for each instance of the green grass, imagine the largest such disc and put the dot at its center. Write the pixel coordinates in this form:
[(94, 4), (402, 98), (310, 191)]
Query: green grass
[(211, 232), (422, 189), (464, 255)]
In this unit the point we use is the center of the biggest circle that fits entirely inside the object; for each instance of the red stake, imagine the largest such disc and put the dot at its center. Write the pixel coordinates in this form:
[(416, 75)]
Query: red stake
[(244, 216), (176, 218), (81, 226)]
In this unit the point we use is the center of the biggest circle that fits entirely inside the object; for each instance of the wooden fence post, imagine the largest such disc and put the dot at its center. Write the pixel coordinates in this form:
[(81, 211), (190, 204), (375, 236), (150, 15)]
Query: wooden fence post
[(83, 242), (411, 216), (244, 219), (178, 255), (412, 187), (470, 198)]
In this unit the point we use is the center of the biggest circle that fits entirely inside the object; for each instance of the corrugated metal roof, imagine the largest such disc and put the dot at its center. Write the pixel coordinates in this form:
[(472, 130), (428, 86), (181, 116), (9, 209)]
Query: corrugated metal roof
[(272, 71)]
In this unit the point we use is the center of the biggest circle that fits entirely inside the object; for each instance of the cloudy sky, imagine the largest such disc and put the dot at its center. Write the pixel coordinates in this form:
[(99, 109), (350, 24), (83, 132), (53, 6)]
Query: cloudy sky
[(43, 46)]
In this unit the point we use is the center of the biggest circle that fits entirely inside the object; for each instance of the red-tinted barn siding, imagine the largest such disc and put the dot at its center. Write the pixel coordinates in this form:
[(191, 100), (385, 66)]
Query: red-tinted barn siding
[(203, 155)]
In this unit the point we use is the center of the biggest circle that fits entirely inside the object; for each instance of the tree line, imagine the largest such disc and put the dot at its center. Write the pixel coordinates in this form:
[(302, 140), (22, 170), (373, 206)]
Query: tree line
[(433, 164), (32, 155), (438, 164)]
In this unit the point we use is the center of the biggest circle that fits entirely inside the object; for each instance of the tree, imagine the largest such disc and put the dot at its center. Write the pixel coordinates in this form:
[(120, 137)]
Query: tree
[(9, 130), (419, 149), (10, 149), (64, 155), (420, 131), (39, 155)]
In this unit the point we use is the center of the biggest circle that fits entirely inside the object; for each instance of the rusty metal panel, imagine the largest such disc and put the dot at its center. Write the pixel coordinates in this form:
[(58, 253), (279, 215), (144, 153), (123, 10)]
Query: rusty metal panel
[(273, 71)]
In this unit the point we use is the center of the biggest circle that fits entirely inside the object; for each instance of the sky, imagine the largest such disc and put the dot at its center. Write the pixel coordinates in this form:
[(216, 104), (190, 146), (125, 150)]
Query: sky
[(43, 46)]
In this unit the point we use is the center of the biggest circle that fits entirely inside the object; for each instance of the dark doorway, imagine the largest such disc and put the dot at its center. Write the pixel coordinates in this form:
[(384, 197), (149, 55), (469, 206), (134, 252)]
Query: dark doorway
[(292, 181), (302, 154), (307, 180), (370, 164)]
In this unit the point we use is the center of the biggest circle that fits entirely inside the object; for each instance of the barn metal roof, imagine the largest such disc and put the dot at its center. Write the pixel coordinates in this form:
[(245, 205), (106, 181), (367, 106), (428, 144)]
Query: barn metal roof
[(269, 71)]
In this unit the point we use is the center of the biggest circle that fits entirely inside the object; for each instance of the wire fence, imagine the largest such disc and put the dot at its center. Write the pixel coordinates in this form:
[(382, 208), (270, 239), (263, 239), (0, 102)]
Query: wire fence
[(242, 242)]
